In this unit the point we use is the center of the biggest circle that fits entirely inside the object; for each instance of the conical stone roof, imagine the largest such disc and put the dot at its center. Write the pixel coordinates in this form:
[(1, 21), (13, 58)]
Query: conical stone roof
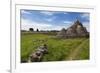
[(76, 30)]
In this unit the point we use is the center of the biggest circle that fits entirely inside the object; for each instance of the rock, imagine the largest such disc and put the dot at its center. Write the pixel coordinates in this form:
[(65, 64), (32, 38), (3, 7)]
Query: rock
[(43, 49), (38, 54)]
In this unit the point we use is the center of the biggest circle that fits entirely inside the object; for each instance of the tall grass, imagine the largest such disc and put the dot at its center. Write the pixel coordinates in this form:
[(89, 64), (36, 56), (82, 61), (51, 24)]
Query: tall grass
[(59, 49)]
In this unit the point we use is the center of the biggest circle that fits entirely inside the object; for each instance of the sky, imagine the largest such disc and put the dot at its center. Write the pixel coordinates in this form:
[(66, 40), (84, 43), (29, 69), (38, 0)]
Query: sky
[(52, 20)]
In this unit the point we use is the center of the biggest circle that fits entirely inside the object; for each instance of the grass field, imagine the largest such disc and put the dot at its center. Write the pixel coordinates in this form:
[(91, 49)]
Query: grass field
[(59, 49)]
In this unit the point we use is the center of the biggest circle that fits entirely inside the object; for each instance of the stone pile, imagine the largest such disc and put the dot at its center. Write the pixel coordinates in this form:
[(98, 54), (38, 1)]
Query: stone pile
[(38, 54)]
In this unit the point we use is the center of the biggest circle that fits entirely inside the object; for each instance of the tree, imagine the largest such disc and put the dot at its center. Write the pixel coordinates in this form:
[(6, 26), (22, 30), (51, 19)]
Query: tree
[(31, 29)]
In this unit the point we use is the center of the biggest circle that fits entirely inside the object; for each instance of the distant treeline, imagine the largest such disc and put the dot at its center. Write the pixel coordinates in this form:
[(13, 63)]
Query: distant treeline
[(52, 32), (40, 31)]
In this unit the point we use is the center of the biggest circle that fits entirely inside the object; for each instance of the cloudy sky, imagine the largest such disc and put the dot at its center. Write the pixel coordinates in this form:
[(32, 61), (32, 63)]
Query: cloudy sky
[(51, 20)]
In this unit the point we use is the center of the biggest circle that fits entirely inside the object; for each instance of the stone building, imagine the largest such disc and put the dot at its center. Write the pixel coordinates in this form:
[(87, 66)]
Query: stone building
[(76, 30)]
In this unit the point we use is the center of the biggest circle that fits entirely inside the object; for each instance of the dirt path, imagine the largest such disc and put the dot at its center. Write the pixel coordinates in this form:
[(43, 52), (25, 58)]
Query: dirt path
[(75, 52)]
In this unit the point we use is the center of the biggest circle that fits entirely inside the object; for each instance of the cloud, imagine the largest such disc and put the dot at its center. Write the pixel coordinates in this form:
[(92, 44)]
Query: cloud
[(85, 16), (51, 19), (67, 22), (26, 24), (50, 13), (66, 13), (86, 24), (25, 12), (48, 20), (47, 13)]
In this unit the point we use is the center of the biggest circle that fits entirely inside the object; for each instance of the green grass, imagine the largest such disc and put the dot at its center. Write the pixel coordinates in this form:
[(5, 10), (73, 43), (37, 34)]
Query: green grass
[(59, 49)]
